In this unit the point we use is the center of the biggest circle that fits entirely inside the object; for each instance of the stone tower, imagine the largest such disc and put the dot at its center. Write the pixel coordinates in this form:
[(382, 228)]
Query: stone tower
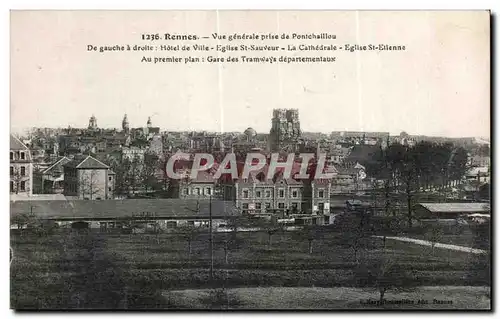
[(92, 123), (125, 124), (285, 130)]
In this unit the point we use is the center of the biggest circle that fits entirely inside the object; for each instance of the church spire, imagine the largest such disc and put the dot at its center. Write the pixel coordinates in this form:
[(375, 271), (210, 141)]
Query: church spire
[(125, 124)]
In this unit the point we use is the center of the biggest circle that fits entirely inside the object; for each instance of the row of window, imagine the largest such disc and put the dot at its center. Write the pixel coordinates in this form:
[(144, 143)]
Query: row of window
[(259, 206), (22, 171), (281, 193), (199, 191), (293, 206), (22, 186), (22, 155), (71, 188)]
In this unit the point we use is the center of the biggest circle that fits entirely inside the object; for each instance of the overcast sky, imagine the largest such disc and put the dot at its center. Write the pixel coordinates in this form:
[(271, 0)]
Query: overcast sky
[(438, 86)]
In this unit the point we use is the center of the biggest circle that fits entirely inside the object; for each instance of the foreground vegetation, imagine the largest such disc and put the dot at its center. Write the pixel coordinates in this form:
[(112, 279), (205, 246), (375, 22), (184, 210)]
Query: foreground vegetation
[(90, 269)]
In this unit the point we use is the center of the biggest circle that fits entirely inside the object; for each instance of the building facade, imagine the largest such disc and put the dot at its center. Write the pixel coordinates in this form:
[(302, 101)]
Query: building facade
[(88, 178), (285, 130), (21, 168), (284, 196)]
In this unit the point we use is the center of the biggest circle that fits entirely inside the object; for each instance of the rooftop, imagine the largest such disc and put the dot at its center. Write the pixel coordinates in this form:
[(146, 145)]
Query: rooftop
[(456, 207), (16, 144), (87, 162), (111, 209)]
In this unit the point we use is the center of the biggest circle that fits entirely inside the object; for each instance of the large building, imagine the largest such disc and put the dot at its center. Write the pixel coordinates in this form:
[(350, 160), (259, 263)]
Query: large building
[(88, 178), (21, 168), (285, 130), (284, 196)]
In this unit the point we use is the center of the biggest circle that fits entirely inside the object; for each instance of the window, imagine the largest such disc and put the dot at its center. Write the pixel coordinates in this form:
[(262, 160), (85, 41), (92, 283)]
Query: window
[(11, 156), (23, 186), (268, 205), (22, 155), (321, 206), (268, 193), (258, 206), (197, 191), (295, 206), (258, 194), (244, 206), (23, 171), (245, 194), (209, 191), (321, 194), (110, 178), (11, 171), (282, 193), (11, 186), (171, 224), (281, 205), (109, 189), (186, 191), (295, 193)]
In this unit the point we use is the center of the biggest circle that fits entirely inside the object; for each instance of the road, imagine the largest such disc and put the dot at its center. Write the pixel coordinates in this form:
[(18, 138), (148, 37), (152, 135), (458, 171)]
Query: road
[(437, 245)]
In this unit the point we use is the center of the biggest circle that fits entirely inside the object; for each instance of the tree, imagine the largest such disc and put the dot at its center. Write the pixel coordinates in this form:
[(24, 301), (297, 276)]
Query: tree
[(122, 179), (134, 174), (190, 234), (228, 241), (356, 233), (89, 184), (309, 233), (148, 172), (270, 228), (433, 234), (383, 274)]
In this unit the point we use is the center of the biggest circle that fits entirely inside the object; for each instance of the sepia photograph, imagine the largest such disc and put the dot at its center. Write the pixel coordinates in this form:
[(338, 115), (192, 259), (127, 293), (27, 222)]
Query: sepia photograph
[(250, 160)]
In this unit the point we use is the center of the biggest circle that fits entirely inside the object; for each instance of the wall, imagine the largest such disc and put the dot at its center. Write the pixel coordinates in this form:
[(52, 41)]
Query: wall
[(92, 183)]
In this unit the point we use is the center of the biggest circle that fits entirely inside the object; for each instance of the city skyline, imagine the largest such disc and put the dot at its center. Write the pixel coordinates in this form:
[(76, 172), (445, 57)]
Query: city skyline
[(423, 90), (23, 130)]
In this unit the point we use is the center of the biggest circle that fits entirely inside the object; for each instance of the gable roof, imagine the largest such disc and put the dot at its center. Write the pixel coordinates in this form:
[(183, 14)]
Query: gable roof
[(87, 162), (16, 144), (57, 165)]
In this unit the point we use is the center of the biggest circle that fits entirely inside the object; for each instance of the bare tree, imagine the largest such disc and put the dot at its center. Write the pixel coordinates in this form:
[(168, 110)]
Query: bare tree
[(356, 234), (270, 228), (190, 233), (148, 172), (228, 241), (134, 174), (434, 234), (309, 233), (384, 274), (89, 184)]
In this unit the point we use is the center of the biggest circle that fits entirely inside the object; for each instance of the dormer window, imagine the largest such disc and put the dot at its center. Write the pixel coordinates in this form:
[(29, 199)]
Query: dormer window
[(22, 155)]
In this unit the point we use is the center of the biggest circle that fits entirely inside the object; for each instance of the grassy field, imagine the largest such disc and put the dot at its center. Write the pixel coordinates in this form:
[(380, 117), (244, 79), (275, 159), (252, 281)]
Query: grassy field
[(109, 270), (284, 298)]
